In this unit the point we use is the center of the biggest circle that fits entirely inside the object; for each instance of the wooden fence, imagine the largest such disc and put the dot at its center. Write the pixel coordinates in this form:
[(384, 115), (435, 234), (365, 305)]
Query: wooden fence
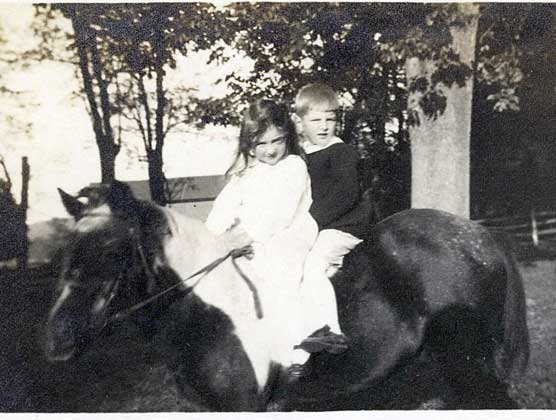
[(537, 229), (194, 196)]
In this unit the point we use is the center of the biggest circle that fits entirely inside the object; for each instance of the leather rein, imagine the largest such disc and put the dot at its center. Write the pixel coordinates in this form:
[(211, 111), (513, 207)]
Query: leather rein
[(233, 254)]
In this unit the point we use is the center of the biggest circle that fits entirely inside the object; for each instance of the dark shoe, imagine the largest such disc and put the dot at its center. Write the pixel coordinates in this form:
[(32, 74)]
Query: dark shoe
[(297, 370), (324, 340)]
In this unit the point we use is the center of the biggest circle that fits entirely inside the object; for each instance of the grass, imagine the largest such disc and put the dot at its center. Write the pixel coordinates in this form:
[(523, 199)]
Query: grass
[(537, 388)]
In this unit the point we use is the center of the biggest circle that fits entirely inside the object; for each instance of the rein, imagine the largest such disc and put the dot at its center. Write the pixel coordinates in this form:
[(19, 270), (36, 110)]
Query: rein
[(233, 254)]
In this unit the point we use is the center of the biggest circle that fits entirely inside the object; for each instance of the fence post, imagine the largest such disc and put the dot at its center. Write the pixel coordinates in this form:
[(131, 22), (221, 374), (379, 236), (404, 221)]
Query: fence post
[(534, 228), (22, 258)]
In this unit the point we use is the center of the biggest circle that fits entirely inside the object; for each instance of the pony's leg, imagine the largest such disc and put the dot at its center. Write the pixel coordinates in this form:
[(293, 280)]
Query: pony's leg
[(194, 400), (476, 388), (233, 397), (463, 345)]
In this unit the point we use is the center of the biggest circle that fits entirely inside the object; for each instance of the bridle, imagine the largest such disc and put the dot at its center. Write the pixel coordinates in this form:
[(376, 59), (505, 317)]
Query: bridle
[(246, 251), (110, 293)]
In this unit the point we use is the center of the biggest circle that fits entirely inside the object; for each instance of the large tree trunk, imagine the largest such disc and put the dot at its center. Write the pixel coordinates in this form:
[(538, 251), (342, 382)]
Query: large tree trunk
[(441, 147)]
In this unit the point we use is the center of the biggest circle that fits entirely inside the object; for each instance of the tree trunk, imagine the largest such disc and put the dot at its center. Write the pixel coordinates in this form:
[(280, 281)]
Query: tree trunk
[(157, 180), (85, 44), (107, 160), (441, 147), (23, 257)]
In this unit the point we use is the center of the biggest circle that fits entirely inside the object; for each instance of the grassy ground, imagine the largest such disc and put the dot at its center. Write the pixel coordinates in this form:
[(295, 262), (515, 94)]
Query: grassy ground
[(537, 388), (125, 373)]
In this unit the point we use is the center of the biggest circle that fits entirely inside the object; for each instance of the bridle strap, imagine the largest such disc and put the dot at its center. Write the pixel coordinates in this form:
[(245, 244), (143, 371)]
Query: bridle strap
[(252, 288), (234, 254)]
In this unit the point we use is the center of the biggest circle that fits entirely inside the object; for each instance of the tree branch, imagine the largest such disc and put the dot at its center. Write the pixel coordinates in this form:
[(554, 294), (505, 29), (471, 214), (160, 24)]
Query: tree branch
[(103, 92), (144, 100), (80, 44), (160, 93), (139, 121)]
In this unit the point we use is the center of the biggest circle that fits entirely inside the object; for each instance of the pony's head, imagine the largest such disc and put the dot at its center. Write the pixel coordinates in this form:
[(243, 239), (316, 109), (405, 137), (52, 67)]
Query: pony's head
[(107, 265)]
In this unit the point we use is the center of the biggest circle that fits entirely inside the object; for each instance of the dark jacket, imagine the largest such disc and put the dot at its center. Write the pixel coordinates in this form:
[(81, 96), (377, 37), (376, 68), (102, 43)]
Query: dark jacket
[(337, 199)]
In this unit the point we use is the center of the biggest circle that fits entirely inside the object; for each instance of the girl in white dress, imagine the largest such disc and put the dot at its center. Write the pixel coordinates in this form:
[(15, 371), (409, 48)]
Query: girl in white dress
[(266, 204)]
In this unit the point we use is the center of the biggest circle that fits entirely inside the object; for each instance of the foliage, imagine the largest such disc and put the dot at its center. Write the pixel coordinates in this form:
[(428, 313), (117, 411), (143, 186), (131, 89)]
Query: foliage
[(358, 48), (124, 52), (346, 45), (513, 152), (361, 50)]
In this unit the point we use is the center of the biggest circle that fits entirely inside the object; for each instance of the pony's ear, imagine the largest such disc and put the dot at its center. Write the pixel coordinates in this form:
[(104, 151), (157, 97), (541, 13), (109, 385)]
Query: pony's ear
[(73, 206)]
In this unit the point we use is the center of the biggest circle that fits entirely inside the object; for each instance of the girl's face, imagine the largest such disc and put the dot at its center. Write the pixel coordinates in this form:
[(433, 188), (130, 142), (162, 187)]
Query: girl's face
[(270, 148)]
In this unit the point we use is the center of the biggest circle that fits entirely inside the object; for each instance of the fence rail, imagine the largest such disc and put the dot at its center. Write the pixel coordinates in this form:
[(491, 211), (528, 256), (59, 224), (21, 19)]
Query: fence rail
[(538, 228)]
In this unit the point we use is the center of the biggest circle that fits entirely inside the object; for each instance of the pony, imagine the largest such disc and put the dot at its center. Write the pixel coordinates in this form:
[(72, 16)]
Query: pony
[(426, 286)]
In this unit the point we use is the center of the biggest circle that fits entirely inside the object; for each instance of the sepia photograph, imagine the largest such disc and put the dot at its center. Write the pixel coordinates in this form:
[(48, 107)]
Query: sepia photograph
[(312, 207)]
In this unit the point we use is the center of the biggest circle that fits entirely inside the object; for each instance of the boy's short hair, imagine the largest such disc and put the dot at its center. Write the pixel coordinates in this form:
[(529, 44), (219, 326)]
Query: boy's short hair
[(315, 95)]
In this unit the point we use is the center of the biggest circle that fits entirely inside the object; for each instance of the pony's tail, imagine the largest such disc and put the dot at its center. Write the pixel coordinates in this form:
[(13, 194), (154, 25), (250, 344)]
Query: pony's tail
[(513, 354)]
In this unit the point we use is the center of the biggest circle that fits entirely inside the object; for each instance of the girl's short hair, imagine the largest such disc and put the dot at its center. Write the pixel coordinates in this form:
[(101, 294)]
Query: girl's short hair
[(257, 119), (315, 95)]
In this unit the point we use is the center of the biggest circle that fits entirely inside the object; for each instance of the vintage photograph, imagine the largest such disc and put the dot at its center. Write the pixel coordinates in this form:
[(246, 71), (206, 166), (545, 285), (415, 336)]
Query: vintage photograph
[(277, 207)]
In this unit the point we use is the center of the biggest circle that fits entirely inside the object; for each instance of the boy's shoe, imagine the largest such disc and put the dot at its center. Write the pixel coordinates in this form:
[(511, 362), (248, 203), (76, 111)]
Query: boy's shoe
[(324, 340)]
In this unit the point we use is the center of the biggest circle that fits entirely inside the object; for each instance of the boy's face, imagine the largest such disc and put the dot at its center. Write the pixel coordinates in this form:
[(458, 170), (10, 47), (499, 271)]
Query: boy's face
[(319, 126)]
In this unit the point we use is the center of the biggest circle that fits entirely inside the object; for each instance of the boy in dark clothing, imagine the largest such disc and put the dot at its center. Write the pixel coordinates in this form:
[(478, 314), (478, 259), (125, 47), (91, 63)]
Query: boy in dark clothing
[(337, 207), (335, 189)]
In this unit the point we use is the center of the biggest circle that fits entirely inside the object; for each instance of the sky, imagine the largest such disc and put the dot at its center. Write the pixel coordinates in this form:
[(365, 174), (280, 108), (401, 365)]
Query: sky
[(60, 145)]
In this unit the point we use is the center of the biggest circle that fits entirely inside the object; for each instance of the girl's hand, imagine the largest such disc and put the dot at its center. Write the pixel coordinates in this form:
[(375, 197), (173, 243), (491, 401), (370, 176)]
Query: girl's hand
[(236, 237)]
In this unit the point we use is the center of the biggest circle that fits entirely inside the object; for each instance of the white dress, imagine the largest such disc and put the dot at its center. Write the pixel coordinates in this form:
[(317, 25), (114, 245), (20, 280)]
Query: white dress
[(272, 204)]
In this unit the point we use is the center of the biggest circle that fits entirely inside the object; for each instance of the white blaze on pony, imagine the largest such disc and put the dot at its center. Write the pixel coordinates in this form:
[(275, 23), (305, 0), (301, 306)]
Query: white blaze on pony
[(224, 289), (97, 217)]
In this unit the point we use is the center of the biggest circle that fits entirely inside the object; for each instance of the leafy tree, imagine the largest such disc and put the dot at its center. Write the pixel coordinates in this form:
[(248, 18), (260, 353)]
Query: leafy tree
[(410, 64), (403, 71), (94, 67), (293, 44), (124, 52), (514, 119), (144, 39)]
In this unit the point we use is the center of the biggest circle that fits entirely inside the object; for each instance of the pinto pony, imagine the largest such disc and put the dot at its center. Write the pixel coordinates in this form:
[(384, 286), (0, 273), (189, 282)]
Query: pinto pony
[(426, 285)]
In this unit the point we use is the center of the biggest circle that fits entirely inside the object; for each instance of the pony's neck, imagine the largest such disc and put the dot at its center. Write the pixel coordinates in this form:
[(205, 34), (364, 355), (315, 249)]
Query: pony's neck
[(191, 245)]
